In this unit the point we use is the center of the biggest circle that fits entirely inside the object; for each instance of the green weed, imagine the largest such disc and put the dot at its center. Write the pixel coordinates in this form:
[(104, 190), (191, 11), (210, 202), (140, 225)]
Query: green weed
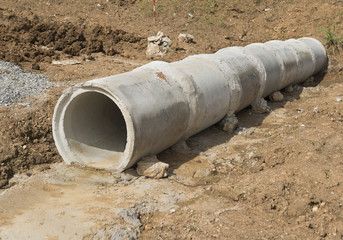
[(192, 228), (210, 6), (331, 38)]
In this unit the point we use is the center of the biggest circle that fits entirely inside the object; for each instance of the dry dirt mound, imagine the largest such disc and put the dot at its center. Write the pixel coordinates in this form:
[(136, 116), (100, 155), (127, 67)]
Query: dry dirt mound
[(35, 40), (25, 140)]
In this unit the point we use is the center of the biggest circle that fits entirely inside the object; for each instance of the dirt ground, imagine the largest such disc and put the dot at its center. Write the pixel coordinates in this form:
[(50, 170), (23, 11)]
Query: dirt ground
[(279, 176)]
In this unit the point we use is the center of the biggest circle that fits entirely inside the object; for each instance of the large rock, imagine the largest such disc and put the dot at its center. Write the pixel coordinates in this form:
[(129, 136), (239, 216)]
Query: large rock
[(260, 106), (152, 168), (276, 96), (158, 45), (229, 123), (153, 50)]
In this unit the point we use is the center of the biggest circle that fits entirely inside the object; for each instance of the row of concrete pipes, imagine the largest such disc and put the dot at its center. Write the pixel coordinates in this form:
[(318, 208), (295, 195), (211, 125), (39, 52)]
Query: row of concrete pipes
[(112, 122)]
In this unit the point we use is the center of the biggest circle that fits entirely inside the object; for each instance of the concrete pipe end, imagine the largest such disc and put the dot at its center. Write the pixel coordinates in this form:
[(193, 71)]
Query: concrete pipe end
[(94, 129)]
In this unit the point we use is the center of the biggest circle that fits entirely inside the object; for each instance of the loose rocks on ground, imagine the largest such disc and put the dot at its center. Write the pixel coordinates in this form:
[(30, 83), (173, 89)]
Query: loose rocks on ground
[(158, 45), (152, 168), (17, 84), (276, 96)]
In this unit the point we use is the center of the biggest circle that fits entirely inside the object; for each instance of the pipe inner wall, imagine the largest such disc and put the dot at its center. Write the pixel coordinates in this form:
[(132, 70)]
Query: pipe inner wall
[(95, 129)]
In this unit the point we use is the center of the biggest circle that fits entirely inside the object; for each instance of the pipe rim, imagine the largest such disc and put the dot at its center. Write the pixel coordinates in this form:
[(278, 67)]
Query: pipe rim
[(61, 140)]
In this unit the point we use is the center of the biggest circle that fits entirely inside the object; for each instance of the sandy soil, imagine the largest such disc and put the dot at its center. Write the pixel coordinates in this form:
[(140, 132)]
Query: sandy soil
[(279, 176)]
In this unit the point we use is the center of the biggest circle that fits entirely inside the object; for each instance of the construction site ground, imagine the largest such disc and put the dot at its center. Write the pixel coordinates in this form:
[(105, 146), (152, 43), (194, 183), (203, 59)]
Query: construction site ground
[(278, 176)]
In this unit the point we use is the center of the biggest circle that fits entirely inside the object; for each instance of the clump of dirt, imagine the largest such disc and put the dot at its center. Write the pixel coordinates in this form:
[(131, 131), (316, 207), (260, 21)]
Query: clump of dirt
[(36, 40), (26, 140)]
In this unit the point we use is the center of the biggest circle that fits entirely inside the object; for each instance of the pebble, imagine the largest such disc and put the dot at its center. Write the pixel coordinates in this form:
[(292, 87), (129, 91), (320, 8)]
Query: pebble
[(260, 106), (276, 97), (315, 110), (185, 37), (190, 15), (148, 227)]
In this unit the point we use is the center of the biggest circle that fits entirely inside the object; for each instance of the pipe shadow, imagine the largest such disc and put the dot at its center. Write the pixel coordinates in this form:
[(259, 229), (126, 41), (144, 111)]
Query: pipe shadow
[(213, 136)]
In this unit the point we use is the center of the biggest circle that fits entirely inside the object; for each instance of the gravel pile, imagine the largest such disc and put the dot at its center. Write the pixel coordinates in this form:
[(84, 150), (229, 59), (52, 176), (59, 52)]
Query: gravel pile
[(17, 84)]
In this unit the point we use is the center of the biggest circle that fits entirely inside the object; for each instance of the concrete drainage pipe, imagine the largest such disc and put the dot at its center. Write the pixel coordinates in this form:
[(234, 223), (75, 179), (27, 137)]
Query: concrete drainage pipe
[(111, 123)]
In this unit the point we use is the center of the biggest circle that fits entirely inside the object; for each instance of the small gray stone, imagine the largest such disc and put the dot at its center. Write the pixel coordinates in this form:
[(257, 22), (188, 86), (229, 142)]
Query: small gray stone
[(276, 97), (229, 123), (185, 37), (260, 106)]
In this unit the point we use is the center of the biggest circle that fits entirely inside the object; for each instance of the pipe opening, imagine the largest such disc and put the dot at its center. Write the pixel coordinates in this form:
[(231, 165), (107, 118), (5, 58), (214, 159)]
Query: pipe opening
[(95, 130)]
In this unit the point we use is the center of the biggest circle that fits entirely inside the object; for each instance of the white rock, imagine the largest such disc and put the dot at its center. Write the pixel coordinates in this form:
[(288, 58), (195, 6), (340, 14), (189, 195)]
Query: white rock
[(160, 34), (338, 99), (276, 97), (153, 50), (185, 37), (156, 38), (166, 39), (66, 62), (315, 110), (152, 168)]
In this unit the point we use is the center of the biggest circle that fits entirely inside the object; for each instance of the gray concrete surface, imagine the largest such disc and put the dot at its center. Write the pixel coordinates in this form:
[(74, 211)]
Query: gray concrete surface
[(111, 123)]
